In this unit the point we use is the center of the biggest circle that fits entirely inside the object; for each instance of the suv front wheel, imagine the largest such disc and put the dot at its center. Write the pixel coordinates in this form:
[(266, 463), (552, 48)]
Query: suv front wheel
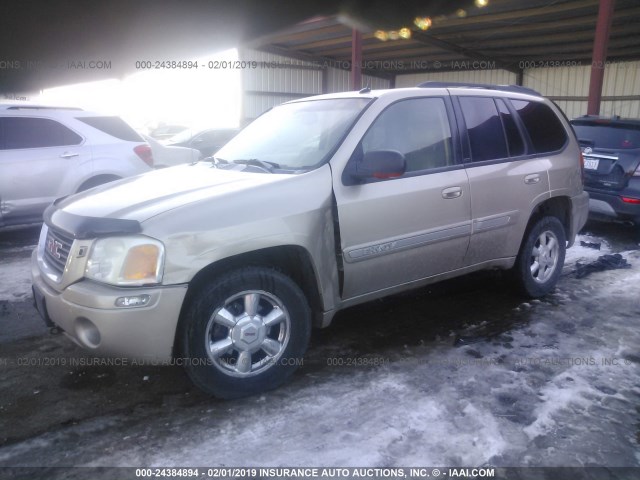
[(541, 257), (245, 333)]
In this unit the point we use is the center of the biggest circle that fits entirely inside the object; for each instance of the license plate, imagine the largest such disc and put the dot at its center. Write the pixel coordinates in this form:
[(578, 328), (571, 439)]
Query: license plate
[(591, 163)]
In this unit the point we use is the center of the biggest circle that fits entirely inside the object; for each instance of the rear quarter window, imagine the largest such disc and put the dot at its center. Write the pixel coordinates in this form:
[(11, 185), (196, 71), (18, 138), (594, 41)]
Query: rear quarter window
[(114, 126), (545, 130)]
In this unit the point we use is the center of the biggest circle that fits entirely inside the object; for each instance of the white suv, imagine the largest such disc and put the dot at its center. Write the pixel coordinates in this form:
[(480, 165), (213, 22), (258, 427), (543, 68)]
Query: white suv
[(48, 152)]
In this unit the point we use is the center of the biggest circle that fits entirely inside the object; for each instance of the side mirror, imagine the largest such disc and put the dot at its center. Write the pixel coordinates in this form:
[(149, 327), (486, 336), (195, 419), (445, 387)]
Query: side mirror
[(381, 164)]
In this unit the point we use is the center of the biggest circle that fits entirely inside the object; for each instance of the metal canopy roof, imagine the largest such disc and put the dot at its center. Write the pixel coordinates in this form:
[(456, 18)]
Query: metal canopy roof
[(44, 43), (507, 34)]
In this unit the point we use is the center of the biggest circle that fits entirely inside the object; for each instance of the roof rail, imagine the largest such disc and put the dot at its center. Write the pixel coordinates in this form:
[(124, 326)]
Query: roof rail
[(37, 107), (486, 86)]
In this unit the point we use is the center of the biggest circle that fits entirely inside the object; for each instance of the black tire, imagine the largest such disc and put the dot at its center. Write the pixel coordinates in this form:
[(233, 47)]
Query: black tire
[(536, 276), (231, 315)]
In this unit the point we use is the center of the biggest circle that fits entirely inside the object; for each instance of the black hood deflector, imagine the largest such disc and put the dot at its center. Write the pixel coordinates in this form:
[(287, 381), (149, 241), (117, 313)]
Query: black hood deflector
[(81, 227)]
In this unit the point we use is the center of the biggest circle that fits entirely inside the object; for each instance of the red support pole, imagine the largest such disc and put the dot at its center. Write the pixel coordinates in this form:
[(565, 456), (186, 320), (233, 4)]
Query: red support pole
[(599, 58), (356, 60)]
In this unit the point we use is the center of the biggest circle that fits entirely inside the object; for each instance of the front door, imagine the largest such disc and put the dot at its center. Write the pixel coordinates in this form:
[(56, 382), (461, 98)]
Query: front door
[(394, 231)]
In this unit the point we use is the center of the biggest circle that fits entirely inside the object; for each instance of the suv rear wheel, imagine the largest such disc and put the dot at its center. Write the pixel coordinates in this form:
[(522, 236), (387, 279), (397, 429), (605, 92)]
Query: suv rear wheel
[(245, 333), (541, 257)]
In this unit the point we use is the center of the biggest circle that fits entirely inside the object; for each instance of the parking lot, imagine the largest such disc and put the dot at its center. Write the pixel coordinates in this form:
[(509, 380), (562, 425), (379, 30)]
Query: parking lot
[(462, 373)]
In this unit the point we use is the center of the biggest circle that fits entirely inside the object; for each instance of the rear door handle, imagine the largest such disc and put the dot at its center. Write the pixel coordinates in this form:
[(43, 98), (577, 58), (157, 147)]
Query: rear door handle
[(69, 155), (532, 179), (452, 192)]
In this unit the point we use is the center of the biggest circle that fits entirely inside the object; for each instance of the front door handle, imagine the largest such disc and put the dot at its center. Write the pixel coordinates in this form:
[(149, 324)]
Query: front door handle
[(452, 192), (69, 155), (532, 179)]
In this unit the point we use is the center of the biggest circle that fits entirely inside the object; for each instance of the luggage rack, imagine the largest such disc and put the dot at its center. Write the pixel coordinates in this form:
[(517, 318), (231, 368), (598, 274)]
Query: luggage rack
[(27, 106), (484, 86)]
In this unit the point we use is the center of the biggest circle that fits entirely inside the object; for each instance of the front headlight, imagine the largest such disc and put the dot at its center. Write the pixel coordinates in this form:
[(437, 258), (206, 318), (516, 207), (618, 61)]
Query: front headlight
[(126, 261)]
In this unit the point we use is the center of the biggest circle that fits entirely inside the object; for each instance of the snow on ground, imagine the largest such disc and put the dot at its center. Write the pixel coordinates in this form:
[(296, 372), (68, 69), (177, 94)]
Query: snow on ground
[(579, 253), (15, 273), (559, 387)]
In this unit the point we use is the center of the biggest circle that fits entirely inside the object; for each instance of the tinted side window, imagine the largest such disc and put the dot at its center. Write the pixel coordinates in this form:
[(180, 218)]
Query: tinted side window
[(514, 139), (418, 128), (114, 126), (545, 129), (486, 136), (24, 132)]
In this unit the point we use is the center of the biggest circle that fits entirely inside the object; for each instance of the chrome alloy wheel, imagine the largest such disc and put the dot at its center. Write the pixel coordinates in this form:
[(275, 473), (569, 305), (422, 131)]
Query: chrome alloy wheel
[(248, 333), (544, 256)]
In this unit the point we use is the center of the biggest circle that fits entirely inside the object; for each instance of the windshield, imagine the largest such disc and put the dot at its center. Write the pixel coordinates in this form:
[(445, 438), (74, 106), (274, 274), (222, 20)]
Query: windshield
[(183, 136), (615, 137), (295, 136)]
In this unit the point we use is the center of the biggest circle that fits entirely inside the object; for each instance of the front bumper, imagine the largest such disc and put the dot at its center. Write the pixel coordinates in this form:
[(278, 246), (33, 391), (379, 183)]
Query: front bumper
[(86, 312)]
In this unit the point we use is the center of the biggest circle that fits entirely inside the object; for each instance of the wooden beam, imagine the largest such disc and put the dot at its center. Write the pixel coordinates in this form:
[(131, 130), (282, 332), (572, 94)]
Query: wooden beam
[(600, 46), (356, 60)]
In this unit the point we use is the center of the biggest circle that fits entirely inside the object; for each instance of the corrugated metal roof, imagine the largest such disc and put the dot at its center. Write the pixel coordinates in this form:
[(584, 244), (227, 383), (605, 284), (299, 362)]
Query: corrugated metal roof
[(506, 34)]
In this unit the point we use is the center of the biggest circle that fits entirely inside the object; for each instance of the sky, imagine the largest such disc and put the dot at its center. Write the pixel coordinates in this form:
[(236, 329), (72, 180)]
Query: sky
[(197, 98)]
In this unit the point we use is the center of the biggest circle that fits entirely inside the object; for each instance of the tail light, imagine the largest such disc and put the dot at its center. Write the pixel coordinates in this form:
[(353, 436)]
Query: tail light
[(633, 201), (582, 167), (145, 154)]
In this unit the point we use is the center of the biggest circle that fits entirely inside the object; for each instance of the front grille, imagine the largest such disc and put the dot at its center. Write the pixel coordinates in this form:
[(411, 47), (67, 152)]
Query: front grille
[(56, 250)]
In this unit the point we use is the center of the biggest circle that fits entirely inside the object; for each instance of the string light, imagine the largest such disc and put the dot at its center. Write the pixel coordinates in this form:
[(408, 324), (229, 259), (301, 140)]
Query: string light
[(423, 23)]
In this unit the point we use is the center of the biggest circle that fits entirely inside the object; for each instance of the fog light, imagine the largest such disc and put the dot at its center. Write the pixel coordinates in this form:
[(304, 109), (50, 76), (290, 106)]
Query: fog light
[(133, 301), (87, 333)]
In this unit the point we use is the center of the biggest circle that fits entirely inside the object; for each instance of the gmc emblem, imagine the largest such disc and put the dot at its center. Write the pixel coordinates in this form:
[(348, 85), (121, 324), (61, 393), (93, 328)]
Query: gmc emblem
[(53, 247)]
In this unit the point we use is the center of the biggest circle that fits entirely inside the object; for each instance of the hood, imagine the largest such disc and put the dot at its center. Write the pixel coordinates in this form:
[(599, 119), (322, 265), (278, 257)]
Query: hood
[(144, 196)]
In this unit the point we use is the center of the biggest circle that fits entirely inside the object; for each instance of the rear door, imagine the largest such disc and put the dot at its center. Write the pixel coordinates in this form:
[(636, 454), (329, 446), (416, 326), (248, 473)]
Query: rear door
[(394, 231), (38, 157), (506, 177)]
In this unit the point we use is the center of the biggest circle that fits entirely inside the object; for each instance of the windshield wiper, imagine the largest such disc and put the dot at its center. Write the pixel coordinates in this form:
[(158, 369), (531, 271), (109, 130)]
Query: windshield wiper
[(268, 166), (215, 161)]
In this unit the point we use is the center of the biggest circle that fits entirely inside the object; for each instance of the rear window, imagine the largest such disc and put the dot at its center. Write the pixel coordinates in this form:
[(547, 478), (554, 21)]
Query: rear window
[(25, 132), (114, 126), (545, 129), (615, 137)]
